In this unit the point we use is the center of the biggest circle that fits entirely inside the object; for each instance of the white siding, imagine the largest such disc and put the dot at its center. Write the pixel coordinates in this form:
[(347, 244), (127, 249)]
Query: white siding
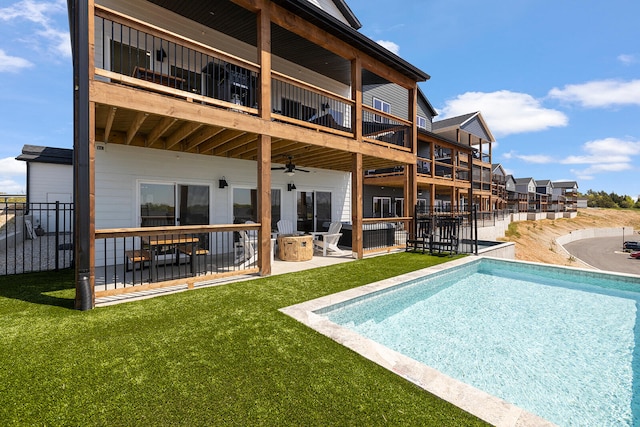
[(120, 170), (45, 178), (330, 7)]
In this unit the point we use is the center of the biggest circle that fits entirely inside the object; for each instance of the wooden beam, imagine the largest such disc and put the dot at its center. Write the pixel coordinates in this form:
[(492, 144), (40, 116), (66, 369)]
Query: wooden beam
[(111, 115), (183, 132), (159, 130), (264, 204), (135, 126), (264, 59), (356, 205), (221, 138), (234, 143), (202, 135)]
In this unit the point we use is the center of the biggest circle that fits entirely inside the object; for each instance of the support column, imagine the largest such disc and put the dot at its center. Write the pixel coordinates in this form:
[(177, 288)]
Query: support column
[(264, 204), (264, 59), (357, 179), (356, 96), (410, 189), (83, 151)]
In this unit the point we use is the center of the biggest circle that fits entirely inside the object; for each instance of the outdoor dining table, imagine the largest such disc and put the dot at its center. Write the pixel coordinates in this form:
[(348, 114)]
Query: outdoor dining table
[(155, 242)]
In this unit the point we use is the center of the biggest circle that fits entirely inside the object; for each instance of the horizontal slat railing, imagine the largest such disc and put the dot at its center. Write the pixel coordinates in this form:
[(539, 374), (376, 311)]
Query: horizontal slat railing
[(133, 259)]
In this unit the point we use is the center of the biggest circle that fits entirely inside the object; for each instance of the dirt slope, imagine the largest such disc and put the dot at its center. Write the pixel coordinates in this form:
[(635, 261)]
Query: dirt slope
[(535, 240)]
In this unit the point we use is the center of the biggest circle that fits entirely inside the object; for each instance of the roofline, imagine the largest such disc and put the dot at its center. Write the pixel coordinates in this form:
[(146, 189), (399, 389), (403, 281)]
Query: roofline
[(325, 21), (346, 11), (426, 100), (447, 140)]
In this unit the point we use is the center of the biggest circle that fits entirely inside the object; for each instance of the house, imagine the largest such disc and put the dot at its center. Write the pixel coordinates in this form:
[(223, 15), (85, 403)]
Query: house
[(472, 130), (49, 180), (567, 190), (200, 123), (498, 187), (527, 186), (516, 201), (442, 167)]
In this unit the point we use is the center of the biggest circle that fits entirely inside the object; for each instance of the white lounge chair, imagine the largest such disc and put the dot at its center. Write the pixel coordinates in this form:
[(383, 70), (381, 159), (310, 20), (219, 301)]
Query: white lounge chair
[(328, 241), (246, 254), (286, 227)]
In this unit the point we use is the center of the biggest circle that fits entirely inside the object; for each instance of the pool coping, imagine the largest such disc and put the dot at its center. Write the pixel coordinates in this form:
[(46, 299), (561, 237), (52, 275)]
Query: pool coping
[(483, 405)]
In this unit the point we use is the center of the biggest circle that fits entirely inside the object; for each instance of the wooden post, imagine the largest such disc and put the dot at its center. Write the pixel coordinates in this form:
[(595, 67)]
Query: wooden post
[(264, 204), (357, 179), (356, 96), (264, 59)]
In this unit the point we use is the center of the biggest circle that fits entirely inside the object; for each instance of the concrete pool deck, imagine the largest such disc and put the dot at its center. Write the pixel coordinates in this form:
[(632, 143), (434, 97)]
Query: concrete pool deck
[(489, 408)]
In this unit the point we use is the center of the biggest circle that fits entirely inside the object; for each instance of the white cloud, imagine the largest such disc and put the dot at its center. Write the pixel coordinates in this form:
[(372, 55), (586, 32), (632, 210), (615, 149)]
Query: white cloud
[(602, 93), (12, 64), (10, 167), (389, 45), (529, 158), (506, 112), (627, 59), (606, 153), (40, 13), (12, 176)]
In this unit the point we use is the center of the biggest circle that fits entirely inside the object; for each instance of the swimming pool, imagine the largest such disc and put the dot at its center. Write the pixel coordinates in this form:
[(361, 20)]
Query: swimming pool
[(555, 342)]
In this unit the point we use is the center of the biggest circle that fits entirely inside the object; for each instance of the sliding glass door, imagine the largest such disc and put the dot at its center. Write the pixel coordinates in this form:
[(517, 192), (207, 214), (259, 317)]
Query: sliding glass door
[(166, 204), (314, 210)]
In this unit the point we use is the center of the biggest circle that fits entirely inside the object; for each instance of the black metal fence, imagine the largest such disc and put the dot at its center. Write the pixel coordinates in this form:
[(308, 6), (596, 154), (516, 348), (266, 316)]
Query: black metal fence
[(451, 231), (35, 237)]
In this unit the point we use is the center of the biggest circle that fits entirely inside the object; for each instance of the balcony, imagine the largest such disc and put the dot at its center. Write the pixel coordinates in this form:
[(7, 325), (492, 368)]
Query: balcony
[(140, 55)]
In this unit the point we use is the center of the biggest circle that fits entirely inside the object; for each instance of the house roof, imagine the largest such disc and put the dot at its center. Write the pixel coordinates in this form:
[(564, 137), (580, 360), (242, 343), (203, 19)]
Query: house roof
[(524, 180), (495, 166), (465, 122), (423, 97), (39, 154), (565, 184), (239, 23), (543, 182), (465, 147), (348, 14)]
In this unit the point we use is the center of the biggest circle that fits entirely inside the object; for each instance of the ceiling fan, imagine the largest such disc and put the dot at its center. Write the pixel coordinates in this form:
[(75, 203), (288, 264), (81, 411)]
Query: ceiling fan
[(290, 169)]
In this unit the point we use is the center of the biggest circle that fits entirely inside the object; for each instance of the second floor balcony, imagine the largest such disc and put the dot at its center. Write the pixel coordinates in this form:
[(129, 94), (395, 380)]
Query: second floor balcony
[(309, 86)]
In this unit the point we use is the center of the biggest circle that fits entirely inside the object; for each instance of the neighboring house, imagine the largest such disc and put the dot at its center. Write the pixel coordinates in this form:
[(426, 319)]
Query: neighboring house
[(498, 187), (443, 170), (528, 186), (49, 180), (567, 190), (472, 131), (516, 201), (204, 115)]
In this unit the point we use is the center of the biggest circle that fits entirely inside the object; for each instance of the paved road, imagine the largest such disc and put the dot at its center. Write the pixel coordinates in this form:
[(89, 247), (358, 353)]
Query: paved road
[(604, 253)]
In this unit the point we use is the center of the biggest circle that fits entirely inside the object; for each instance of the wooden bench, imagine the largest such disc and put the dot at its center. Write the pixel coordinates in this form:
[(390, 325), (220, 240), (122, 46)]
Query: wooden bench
[(138, 256), (188, 250)]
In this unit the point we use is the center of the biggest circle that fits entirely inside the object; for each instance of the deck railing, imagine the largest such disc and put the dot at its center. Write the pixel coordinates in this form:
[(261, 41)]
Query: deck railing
[(35, 237), (152, 257), (380, 127)]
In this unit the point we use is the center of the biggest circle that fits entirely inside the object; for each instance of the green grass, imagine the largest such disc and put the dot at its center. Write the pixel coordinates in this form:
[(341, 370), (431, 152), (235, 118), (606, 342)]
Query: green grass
[(216, 356)]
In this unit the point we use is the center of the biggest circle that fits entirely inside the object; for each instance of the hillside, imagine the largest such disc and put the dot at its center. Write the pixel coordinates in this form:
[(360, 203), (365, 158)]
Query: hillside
[(535, 240)]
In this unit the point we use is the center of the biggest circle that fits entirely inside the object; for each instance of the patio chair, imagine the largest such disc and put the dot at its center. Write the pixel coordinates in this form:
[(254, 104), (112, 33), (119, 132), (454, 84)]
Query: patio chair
[(286, 227), (246, 254), (328, 241)]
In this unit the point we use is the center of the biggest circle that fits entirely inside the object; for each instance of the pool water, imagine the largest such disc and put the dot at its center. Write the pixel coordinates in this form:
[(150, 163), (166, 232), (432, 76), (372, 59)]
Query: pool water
[(556, 343)]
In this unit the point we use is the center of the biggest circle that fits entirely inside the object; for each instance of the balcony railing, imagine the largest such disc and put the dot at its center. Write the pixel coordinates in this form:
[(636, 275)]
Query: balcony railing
[(151, 257), (135, 53), (380, 127)]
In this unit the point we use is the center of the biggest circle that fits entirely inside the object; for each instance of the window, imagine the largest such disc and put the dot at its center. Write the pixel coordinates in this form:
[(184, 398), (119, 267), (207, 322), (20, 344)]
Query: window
[(421, 122), (399, 207), (125, 59), (382, 207), (385, 107), (245, 206)]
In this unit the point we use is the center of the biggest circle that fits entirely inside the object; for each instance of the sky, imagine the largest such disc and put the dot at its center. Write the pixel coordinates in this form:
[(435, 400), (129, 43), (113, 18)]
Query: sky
[(557, 81)]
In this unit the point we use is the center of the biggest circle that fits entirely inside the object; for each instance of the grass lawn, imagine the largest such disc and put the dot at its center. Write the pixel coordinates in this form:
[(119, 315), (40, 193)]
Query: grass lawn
[(217, 356)]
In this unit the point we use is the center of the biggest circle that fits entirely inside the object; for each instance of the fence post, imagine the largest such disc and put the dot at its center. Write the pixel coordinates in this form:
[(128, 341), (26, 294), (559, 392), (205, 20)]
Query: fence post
[(57, 238), (474, 214)]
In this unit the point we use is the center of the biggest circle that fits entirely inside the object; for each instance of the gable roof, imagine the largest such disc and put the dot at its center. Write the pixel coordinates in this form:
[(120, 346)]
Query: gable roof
[(348, 14), (543, 182), (422, 97), (525, 181), (39, 154), (496, 166), (471, 122), (565, 184)]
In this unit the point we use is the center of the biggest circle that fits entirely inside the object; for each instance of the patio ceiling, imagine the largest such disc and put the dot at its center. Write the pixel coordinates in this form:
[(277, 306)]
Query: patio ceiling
[(129, 127)]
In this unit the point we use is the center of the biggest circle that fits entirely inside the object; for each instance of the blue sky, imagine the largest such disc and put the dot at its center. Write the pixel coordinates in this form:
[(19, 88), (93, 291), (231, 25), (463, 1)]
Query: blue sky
[(558, 82)]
